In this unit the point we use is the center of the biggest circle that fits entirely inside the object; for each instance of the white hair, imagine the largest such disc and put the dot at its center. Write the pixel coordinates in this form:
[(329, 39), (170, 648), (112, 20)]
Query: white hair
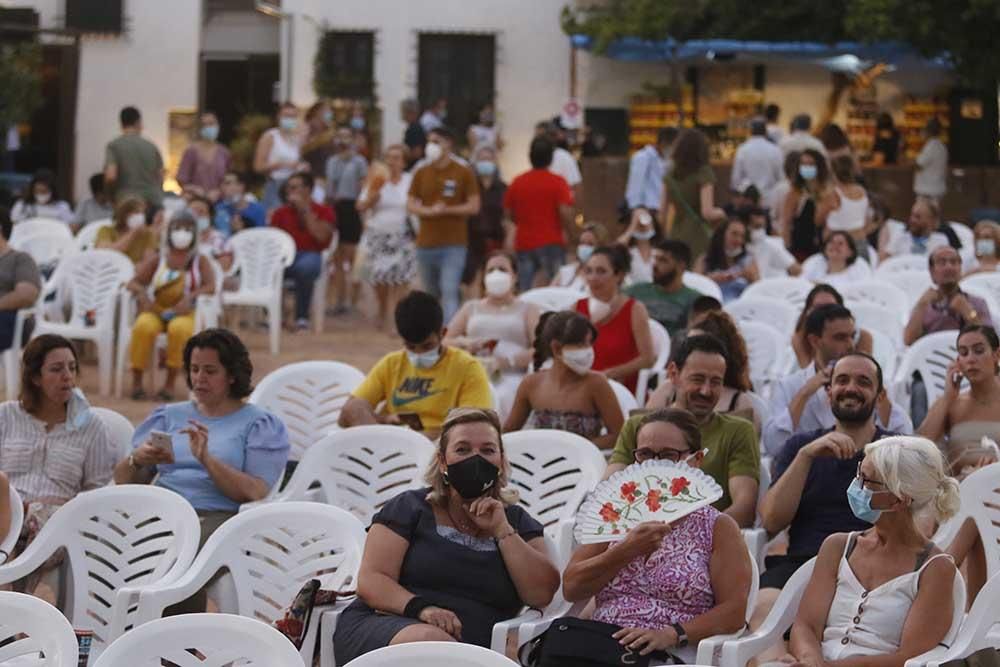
[(912, 467)]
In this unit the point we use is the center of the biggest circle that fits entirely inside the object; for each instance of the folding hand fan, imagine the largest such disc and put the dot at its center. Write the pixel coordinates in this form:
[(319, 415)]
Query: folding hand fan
[(647, 491)]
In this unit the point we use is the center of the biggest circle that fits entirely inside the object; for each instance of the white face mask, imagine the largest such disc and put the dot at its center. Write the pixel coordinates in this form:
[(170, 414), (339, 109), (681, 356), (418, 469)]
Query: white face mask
[(598, 309), (645, 219), (181, 238), (498, 283), (424, 359), (43, 198), (643, 236), (433, 152), (579, 361), (733, 253), (136, 220), (985, 247), (757, 235)]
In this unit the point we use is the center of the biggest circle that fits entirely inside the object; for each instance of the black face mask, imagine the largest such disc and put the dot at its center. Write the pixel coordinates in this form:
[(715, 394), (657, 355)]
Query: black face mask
[(472, 477)]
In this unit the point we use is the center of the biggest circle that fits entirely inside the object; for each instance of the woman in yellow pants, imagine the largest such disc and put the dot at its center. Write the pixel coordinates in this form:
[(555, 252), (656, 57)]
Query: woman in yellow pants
[(167, 290)]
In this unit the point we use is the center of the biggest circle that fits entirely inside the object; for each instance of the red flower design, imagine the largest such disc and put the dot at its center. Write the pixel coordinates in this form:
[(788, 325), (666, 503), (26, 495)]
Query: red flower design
[(609, 513), (653, 500), (679, 485), (628, 491)]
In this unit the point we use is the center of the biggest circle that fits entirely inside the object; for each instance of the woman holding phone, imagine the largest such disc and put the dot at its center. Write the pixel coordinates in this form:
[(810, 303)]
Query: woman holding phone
[(222, 451)]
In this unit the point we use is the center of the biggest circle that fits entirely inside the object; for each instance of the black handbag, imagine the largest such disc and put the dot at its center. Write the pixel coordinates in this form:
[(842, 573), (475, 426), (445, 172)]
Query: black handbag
[(575, 642)]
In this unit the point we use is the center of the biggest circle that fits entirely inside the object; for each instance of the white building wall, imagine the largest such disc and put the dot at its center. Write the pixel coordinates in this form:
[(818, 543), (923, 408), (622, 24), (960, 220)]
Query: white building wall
[(532, 69)]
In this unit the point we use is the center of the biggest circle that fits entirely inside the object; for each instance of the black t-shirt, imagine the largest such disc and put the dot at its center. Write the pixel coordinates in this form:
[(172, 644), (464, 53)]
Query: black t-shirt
[(823, 509), (414, 137)]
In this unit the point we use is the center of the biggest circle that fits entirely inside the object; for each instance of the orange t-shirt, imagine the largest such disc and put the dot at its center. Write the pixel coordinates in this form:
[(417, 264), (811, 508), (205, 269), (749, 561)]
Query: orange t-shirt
[(453, 184)]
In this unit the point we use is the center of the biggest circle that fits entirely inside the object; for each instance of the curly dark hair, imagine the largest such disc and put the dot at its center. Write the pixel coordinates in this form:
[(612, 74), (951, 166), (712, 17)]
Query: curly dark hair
[(32, 360), (721, 325), (822, 170), (566, 326), (715, 256), (233, 356), (690, 153)]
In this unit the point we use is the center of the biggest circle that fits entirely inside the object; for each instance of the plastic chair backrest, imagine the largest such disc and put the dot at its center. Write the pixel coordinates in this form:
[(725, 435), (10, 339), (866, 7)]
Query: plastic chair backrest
[(930, 356), (362, 468), (32, 226), (869, 316), (47, 248), (779, 314), (885, 353), (984, 282), (760, 407), (986, 294), (218, 639), (8, 541), (626, 399), (94, 278), (661, 344), (552, 298), (703, 284), (87, 236), (121, 429), (114, 537), (981, 501), (901, 263), (877, 292), (308, 396), (553, 471), (790, 290), (766, 348), (965, 235), (912, 283), (29, 625), (261, 254), (432, 654)]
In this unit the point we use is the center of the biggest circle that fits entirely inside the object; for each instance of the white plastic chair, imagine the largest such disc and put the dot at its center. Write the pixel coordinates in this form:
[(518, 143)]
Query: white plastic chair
[(974, 634), (432, 654), (930, 356), (661, 349), (552, 298), (912, 283), (977, 289), (626, 399), (967, 238), (318, 304), (94, 280), (984, 282), (11, 357), (779, 314), (219, 639), (118, 539), (885, 353), (980, 502), (270, 552), (877, 292), (260, 256), (31, 625), (756, 537), (360, 469), (87, 236), (9, 540), (737, 652), (901, 263), (308, 397), (703, 284), (767, 349), (46, 247), (121, 429), (26, 228), (792, 291), (874, 318)]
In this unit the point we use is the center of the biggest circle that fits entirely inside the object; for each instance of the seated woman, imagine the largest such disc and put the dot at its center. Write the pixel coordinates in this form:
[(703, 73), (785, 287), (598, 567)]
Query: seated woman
[(52, 446), (129, 232), (959, 421), (839, 264), (225, 451), (666, 585), (42, 201), (568, 396), (887, 591), (822, 295), (624, 345), (446, 563), (987, 234), (167, 292), (733, 399), (571, 275), (727, 261)]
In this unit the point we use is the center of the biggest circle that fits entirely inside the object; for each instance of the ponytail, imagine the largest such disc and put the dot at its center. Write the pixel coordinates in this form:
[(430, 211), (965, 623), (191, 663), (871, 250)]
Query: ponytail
[(566, 326)]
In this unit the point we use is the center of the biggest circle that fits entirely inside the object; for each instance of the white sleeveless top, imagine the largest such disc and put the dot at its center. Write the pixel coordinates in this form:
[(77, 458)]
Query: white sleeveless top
[(849, 216), (388, 216), (863, 622), (282, 150), (506, 326)]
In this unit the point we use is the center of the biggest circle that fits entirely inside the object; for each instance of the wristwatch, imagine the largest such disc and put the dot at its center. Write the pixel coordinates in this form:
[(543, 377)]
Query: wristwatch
[(682, 637)]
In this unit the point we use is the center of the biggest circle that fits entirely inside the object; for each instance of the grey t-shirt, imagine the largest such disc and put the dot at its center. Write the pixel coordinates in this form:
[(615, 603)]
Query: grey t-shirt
[(344, 176), (140, 168), (17, 267)]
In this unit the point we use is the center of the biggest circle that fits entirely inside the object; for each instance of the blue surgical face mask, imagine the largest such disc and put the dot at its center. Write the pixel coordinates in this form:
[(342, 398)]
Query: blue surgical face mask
[(485, 168), (358, 122), (583, 252), (288, 124), (807, 171), (860, 500), (328, 117), (424, 359), (78, 412), (210, 132), (203, 223)]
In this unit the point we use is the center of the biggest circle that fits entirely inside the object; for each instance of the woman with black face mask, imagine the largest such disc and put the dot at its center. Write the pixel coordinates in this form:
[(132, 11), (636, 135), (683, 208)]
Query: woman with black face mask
[(446, 563)]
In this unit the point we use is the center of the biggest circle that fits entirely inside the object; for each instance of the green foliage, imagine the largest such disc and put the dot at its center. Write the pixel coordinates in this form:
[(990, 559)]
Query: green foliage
[(331, 81), (248, 131), (20, 81)]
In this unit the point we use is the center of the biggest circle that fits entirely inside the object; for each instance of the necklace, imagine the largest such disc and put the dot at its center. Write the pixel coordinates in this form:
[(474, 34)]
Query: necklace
[(463, 526)]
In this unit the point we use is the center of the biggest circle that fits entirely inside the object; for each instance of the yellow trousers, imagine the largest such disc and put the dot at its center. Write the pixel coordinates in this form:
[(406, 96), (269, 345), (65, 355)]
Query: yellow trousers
[(145, 330)]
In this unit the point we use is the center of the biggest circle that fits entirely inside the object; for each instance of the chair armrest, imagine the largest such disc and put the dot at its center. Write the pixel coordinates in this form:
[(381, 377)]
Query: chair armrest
[(531, 628), (30, 560), (153, 599), (502, 629), (936, 656), (736, 652), (710, 648)]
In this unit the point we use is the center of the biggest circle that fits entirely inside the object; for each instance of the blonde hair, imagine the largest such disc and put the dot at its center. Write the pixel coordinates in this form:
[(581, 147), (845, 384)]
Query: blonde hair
[(913, 468), (434, 476)]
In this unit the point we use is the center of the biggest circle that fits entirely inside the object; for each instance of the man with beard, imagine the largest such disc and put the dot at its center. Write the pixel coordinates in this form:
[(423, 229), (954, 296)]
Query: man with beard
[(732, 459), (812, 472), (799, 403), (667, 298)]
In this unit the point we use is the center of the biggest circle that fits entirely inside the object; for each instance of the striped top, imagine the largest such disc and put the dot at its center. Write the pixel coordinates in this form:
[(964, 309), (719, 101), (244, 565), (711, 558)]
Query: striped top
[(53, 466)]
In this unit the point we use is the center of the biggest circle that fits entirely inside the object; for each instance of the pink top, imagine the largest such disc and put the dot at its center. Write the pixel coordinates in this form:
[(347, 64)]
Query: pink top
[(672, 586), (193, 170)]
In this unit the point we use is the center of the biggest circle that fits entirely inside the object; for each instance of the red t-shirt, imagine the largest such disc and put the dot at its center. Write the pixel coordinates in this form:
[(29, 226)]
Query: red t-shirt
[(533, 201), (287, 218), (615, 344)]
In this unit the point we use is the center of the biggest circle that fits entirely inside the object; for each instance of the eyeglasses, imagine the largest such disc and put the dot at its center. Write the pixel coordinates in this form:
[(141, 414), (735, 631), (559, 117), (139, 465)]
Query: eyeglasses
[(673, 455), (868, 483)]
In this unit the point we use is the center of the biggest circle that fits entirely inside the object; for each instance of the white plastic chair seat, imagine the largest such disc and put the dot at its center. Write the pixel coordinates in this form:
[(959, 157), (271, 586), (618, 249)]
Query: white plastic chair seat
[(703, 284), (661, 349), (792, 291), (552, 298), (31, 625), (779, 314), (308, 397), (219, 639), (432, 654)]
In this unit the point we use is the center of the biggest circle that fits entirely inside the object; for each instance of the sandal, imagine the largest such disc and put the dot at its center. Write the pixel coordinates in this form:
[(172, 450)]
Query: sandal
[(139, 395), (164, 396)]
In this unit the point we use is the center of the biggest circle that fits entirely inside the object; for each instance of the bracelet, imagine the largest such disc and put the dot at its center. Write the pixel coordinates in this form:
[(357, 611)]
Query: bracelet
[(503, 537), (416, 605)]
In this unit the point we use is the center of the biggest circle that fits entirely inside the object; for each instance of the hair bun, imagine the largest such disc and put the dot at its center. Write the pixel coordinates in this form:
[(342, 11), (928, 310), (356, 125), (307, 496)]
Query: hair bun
[(948, 499)]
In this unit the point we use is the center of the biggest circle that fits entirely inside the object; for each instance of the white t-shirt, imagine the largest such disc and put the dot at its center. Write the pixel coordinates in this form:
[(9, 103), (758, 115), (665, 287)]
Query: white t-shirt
[(388, 216), (567, 276), (930, 179), (54, 210), (564, 164), (815, 269), (641, 271), (902, 244), (771, 257)]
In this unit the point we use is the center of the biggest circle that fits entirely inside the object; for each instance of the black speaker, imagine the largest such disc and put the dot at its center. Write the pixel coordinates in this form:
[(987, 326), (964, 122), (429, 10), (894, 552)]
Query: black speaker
[(94, 16), (19, 16)]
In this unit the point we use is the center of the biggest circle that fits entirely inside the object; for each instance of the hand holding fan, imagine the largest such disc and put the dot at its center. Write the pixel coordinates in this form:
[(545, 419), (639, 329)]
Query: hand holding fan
[(647, 491)]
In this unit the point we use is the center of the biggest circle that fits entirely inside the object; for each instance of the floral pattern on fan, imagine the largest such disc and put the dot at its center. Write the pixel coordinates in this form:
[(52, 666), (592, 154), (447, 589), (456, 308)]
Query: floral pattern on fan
[(648, 491)]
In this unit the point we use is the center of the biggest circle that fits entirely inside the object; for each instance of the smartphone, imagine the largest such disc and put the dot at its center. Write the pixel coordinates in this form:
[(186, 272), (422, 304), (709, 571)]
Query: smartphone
[(956, 379), (640, 412), (162, 440), (411, 419)]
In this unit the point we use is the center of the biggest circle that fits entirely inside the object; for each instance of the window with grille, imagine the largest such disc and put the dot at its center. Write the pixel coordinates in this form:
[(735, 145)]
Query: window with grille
[(345, 65)]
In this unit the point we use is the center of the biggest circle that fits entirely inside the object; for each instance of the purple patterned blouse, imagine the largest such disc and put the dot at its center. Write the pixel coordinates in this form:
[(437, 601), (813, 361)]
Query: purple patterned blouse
[(672, 586)]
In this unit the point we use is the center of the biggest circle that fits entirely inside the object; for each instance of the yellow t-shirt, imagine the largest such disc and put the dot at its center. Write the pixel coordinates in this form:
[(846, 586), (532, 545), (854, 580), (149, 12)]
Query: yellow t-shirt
[(456, 380), (142, 242)]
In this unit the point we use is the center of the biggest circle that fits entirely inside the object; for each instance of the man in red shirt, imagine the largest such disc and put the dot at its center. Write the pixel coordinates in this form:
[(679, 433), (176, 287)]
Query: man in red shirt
[(540, 203), (311, 225)]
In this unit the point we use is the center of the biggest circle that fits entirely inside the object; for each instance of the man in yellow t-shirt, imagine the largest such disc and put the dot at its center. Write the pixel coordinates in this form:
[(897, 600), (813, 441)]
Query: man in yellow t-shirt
[(425, 378)]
